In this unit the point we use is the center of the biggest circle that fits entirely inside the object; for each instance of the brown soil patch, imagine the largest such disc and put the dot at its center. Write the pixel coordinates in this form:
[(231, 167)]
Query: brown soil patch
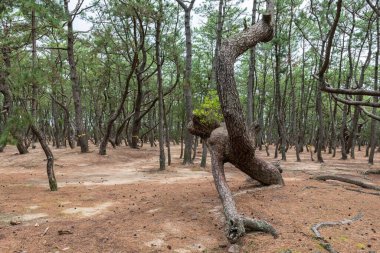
[(120, 203)]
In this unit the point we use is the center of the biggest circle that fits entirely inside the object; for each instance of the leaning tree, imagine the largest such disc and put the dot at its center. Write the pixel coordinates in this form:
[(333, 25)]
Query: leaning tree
[(231, 141)]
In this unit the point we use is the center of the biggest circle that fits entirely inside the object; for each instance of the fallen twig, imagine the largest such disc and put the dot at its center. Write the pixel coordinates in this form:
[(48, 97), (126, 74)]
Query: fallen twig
[(45, 231), (324, 243)]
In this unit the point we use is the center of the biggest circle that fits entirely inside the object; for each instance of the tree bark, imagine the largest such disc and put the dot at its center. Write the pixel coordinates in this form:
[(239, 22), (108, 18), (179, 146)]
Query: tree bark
[(324, 64), (161, 112), (36, 132), (167, 133), (219, 30), (231, 142), (280, 114), (49, 158), (375, 99), (251, 74), (187, 81), (76, 89), (355, 120), (204, 154)]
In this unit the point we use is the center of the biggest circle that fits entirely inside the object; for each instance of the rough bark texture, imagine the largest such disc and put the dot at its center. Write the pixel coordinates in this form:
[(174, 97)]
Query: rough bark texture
[(251, 74), (322, 71), (375, 99), (219, 30), (204, 154), (79, 124), (231, 141), (187, 84), (161, 113)]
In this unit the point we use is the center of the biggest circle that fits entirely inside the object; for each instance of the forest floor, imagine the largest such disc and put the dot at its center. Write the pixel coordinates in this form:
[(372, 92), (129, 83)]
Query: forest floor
[(121, 203)]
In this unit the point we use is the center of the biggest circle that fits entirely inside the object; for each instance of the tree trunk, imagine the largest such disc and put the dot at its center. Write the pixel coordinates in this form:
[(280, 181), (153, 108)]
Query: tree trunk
[(232, 143), (49, 158), (344, 145), (34, 80), (280, 114), (161, 112), (182, 132), (293, 109), (195, 143), (76, 89), (36, 132), (167, 134), (261, 134), (355, 120), (204, 154), (251, 74), (219, 30), (187, 81), (373, 134)]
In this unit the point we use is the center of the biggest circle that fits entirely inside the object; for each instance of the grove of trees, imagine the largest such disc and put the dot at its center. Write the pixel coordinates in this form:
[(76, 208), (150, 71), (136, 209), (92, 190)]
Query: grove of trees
[(147, 68)]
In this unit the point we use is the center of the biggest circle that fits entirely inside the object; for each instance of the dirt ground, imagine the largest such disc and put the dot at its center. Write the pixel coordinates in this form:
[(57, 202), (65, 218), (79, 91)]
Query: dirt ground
[(121, 203)]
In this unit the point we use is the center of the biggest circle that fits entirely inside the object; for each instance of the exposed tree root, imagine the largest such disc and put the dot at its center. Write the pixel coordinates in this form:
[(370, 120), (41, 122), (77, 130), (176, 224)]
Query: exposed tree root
[(252, 225), (323, 242), (236, 224), (371, 172), (240, 225), (349, 181)]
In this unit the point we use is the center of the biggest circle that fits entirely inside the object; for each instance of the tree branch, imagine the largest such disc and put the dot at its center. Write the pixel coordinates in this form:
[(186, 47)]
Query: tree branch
[(356, 103), (330, 40)]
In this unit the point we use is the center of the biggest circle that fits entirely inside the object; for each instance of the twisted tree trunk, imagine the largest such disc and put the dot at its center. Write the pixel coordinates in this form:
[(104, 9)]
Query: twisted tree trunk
[(231, 141)]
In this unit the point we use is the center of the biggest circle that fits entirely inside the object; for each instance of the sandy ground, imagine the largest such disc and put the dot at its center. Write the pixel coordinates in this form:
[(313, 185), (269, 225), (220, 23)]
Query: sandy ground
[(121, 203)]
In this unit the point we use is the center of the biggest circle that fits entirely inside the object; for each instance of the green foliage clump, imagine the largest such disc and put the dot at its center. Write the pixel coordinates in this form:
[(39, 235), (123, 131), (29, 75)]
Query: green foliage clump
[(209, 111)]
